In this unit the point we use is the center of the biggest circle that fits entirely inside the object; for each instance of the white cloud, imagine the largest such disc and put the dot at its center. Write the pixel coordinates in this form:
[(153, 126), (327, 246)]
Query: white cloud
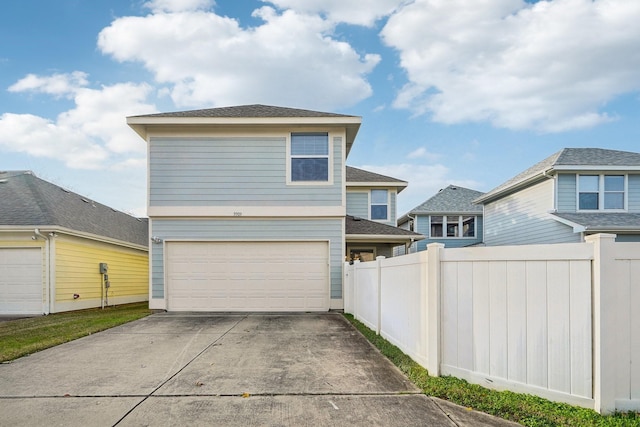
[(424, 181), (209, 60), (56, 84), (358, 12), (549, 66), (422, 153), (178, 5), (90, 136)]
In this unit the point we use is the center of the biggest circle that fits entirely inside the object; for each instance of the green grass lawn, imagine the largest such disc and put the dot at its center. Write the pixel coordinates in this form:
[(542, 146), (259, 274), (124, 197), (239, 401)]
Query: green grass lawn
[(25, 336), (525, 409)]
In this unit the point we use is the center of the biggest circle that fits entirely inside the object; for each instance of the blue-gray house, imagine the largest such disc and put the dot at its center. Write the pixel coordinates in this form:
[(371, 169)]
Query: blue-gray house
[(449, 217), (248, 205), (371, 216), (563, 198)]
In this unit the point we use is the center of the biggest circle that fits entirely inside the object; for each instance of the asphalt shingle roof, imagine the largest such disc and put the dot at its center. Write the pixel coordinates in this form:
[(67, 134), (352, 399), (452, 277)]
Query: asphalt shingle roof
[(361, 175), (568, 157), (355, 225), (26, 200), (254, 110), (603, 221), (453, 199)]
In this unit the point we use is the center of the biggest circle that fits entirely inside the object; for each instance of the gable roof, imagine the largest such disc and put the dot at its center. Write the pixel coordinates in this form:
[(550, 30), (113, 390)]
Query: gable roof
[(28, 201), (363, 178), (451, 199), (247, 115), (365, 230), (567, 159), (601, 222), (244, 111)]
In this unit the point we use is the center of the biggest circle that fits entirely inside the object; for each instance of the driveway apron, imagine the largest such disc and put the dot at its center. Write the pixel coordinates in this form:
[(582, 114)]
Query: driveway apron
[(220, 369)]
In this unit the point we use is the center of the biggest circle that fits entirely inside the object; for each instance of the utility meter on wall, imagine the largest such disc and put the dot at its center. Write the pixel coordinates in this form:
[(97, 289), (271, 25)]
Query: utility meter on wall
[(103, 268)]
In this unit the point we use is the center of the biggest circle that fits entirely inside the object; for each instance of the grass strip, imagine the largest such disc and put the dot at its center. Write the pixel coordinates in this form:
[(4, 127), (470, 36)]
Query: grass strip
[(524, 409), (25, 336)]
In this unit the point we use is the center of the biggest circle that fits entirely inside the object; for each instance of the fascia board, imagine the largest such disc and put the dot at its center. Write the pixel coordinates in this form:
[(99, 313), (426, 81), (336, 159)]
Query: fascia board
[(603, 168), (381, 238)]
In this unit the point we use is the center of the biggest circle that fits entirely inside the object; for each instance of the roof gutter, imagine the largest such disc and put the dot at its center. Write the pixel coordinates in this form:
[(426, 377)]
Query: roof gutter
[(382, 238)]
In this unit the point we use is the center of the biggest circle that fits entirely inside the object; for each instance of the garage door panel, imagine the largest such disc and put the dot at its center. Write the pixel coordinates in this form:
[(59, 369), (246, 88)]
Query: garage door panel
[(21, 281), (248, 276)]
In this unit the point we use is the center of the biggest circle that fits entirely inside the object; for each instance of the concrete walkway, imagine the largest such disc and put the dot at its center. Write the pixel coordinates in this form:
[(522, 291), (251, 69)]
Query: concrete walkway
[(220, 370)]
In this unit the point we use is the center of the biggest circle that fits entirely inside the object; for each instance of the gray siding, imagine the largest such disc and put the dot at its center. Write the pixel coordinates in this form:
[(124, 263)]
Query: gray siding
[(628, 238), (422, 227), (233, 171), (566, 192), (358, 204), (634, 193), (243, 229), (522, 218)]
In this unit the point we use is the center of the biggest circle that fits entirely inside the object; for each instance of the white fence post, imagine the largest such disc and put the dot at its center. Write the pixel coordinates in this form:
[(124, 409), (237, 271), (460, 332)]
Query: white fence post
[(379, 260), (433, 307), (604, 322)]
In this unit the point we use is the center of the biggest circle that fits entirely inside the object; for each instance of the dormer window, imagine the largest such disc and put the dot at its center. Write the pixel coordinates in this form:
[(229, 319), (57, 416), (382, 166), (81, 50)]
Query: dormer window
[(601, 192), (379, 205), (309, 157)]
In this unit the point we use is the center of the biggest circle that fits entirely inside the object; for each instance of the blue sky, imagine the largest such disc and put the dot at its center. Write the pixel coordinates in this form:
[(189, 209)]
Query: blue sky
[(450, 92)]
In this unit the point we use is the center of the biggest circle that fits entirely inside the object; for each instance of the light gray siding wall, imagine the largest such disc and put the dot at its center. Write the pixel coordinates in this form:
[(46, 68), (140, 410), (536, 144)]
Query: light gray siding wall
[(423, 228), (566, 192), (628, 238), (233, 171), (245, 229), (358, 204), (634, 193), (522, 218)]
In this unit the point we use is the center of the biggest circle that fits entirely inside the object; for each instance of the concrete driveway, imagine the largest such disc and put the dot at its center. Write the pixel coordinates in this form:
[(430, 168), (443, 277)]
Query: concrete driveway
[(227, 370)]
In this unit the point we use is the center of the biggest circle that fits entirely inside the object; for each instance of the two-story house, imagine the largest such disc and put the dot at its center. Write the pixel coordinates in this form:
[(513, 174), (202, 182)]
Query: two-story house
[(449, 217), (247, 208), (570, 194)]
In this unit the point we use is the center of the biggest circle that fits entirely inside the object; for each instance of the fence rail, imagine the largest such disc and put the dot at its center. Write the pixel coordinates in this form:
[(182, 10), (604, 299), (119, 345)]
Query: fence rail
[(559, 321)]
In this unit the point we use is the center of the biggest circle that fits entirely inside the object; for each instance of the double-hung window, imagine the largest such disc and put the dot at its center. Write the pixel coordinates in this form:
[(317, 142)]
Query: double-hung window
[(453, 226), (379, 205), (309, 157), (601, 192)]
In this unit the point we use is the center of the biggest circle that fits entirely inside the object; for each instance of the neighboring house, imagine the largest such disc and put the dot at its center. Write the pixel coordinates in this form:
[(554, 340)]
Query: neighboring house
[(52, 242), (247, 208), (371, 216), (573, 193), (449, 217)]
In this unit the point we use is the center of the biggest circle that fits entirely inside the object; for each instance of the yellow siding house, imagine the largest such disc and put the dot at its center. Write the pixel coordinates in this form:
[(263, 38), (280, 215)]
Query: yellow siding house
[(60, 251)]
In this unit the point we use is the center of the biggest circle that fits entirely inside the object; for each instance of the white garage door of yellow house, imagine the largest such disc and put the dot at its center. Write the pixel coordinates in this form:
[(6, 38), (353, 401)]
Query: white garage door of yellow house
[(20, 281), (247, 276)]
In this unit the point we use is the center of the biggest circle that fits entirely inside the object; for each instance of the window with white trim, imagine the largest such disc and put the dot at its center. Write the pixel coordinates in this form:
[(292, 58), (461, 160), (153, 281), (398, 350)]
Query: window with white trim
[(309, 157), (453, 226), (601, 192), (379, 205)]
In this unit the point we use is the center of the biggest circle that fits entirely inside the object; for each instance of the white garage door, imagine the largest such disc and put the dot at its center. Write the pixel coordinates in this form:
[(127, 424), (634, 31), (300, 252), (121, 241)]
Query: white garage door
[(20, 281), (248, 276)]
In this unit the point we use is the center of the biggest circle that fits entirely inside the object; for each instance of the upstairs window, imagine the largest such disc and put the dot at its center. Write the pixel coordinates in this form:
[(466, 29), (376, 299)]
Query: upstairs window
[(436, 226), (601, 192), (379, 205), (453, 226), (309, 157)]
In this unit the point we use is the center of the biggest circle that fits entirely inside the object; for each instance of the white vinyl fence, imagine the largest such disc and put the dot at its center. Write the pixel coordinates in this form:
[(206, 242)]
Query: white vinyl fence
[(558, 321)]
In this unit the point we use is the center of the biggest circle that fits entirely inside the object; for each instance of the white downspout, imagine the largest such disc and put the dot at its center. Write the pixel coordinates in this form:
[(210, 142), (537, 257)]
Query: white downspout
[(47, 304)]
